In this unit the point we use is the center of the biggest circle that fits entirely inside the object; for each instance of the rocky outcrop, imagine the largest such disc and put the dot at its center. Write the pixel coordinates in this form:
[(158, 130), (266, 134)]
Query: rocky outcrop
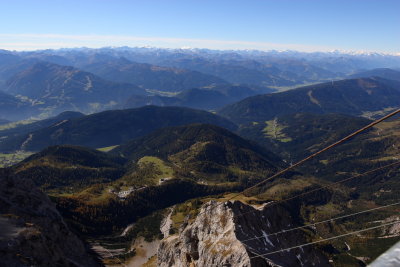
[(32, 232), (219, 236)]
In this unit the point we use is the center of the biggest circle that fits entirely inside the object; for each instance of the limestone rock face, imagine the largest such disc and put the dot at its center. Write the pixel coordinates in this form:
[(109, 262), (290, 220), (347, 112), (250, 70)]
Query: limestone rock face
[(32, 232), (221, 236)]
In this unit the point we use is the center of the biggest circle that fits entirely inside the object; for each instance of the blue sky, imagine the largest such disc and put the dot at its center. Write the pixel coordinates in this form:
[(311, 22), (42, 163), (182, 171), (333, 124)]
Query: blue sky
[(305, 25)]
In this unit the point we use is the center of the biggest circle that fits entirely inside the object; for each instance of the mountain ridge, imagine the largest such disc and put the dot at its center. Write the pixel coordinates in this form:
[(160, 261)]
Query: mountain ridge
[(351, 97), (109, 128), (385, 73), (150, 76), (58, 88), (200, 98)]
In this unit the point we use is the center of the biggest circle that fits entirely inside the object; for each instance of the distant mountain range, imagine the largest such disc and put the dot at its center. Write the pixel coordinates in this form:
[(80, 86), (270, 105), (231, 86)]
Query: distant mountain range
[(276, 74), (178, 69), (150, 76), (52, 81), (56, 88), (234, 72), (335, 62)]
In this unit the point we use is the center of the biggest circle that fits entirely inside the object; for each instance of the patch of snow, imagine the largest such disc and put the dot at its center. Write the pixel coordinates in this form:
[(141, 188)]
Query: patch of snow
[(266, 238), (126, 230), (298, 256)]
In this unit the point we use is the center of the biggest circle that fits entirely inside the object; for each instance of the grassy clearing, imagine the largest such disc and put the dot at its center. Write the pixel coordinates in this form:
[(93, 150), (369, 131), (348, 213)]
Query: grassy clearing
[(283, 188), (286, 88), (147, 171), (237, 171), (274, 130), (107, 148), (379, 113), (166, 171), (162, 93), (7, 160), (386, 129), (328, 210), (96, 195), (233, 196), (384, 159)]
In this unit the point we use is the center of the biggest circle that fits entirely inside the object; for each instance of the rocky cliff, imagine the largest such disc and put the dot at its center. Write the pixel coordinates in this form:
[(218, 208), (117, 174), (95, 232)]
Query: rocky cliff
[(32, 232), (219, 236)]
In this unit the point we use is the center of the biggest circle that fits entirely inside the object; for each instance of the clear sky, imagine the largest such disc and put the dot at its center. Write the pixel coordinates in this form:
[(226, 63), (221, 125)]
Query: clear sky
[(305, 25)]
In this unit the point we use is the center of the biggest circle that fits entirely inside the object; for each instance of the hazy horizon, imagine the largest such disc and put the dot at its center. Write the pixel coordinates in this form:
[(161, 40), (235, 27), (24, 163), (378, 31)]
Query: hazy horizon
[(288, 50), (304, 25)]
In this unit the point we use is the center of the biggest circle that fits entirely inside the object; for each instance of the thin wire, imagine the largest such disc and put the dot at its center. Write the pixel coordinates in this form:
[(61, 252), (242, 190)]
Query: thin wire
[(315, 154), (326, 239), (323, 187), (321, 222)]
